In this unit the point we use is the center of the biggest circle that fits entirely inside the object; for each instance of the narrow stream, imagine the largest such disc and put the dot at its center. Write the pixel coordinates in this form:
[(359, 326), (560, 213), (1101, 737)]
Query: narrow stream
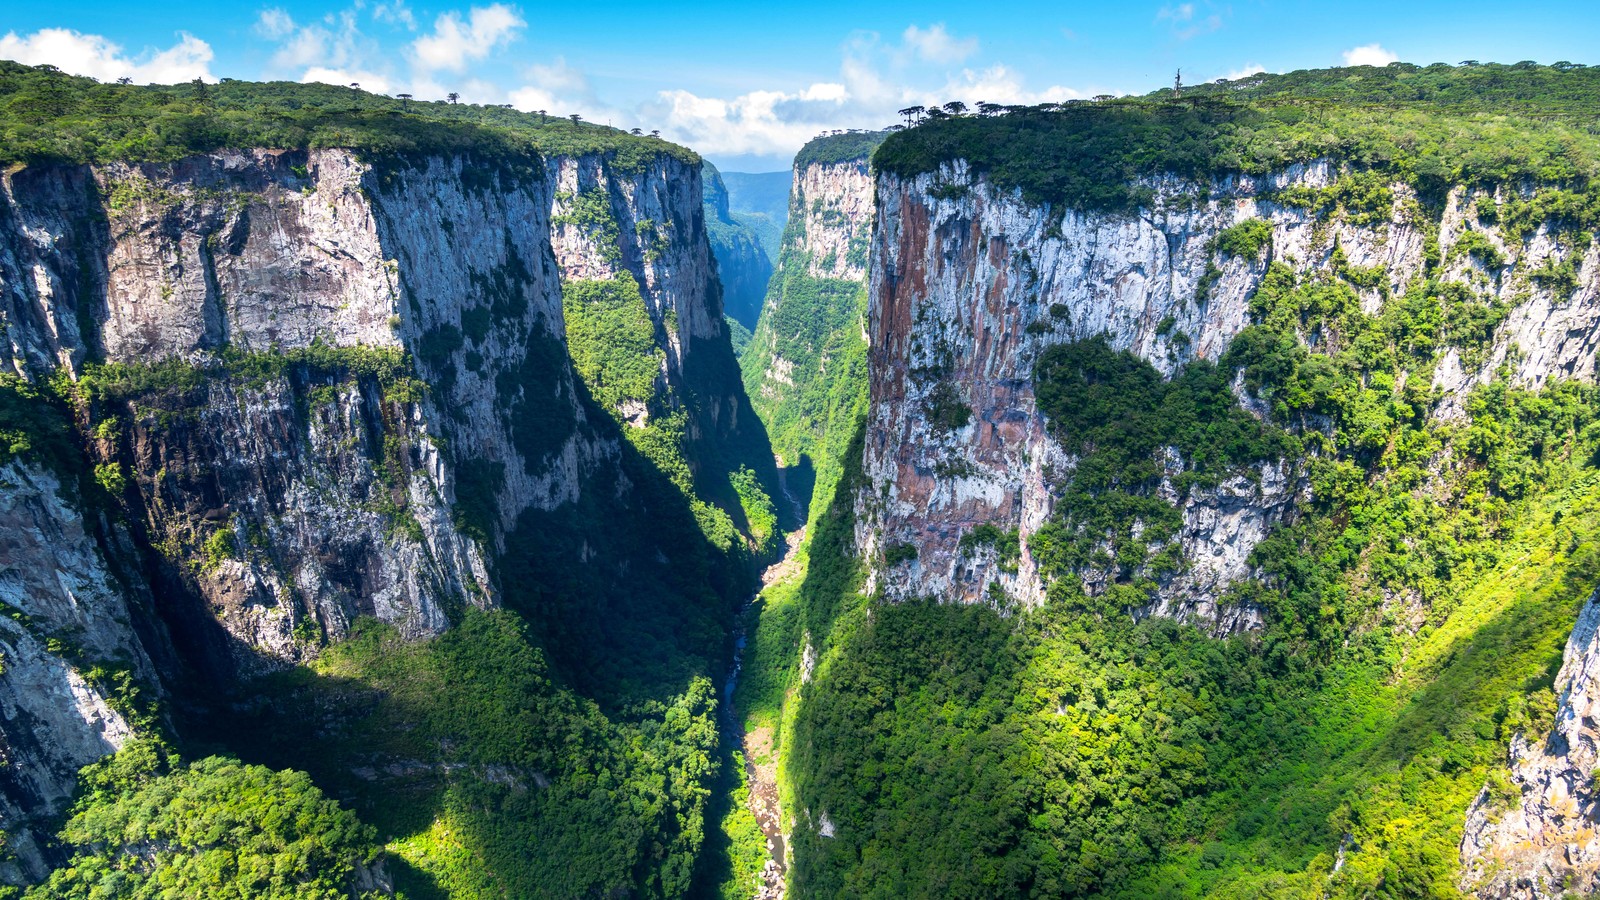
[(762, 778)]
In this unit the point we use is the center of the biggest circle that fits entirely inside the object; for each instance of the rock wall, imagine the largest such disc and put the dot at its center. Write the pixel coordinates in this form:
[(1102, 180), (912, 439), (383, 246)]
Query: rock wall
[(833, 206), (657, 234), (811, 330), (1540, 840), (65, 618), (316, 387), (743, 266), (968, 284)]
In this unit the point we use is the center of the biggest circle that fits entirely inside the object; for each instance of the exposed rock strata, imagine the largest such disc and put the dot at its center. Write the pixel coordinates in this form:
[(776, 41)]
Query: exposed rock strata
[(1542, 840), (63, 613), (969, 286), (283, 475)]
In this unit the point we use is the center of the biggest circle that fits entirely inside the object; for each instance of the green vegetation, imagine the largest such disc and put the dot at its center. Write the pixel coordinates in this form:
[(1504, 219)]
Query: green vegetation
[(843, 147), (1429, 127), (761, 518), (388, 366), (612, 340), (1007, 545), (515, 785), (147, 826), (1117, 412), (218, 548), (944, 408), (1245, 240), (1070, 751), (1414, 609), (806, 373), (738, 335), (1480, 248), (46, 116), (32, 426), (590, 212)]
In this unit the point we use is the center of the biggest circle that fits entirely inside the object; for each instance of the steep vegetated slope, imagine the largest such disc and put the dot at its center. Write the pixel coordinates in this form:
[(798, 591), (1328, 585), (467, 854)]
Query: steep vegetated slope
[(407, 449), (742, 261), (805, 368), (1257, 431), (806, 373)]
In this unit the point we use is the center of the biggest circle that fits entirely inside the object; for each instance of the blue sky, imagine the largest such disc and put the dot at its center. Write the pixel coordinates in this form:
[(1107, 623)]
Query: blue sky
[(747, 85)]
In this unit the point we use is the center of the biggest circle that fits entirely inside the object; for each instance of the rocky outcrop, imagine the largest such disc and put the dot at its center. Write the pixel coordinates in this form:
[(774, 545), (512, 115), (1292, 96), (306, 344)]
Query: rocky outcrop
[(831, 208), (803, 369), (1540, 836), (315, 387), (66, 630), (742, 263), (969, 284)]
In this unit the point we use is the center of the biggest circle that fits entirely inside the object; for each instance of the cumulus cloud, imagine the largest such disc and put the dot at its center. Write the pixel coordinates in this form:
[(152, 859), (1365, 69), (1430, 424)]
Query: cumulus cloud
[(274, 24), (395, 13), (936, 45), (1186, 20), (561, 90), (352, 46), (455, 42), (1248, 70), (97, 57), (369, 81), (1369, 55), (871, 87), (336, 41)]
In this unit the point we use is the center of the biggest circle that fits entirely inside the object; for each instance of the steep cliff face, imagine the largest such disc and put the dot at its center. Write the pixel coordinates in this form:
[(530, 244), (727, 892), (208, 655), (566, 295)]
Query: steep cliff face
[(742, 262), (804, 369), (67, 630), (646, 232), (318, 387), (314, 490), (833, 205), (969, 285), (1533, 835)]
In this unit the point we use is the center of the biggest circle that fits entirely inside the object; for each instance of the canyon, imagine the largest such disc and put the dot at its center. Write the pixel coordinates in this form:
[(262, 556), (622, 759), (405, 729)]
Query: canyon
[(1070, 526)]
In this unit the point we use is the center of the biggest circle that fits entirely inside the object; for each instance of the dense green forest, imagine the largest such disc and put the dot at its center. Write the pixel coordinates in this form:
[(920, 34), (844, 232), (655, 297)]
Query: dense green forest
[(1415, 610), (1430, 127), (1071, 751), (46, 116)]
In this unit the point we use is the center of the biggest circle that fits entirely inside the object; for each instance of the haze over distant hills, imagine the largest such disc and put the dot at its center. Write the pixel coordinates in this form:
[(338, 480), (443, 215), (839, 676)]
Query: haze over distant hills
[(761, 201)]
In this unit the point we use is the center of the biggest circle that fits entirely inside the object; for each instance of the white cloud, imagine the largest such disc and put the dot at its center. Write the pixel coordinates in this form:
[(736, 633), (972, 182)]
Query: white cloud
[(999, 84), (1369, 55), (1187, 21), (935, 45), (454, 42), (1248, 70), (369, 81), (562, 90), (1183, 12), (775, 123), (97, 57), (396, 13), (274, 24), (335, 42)]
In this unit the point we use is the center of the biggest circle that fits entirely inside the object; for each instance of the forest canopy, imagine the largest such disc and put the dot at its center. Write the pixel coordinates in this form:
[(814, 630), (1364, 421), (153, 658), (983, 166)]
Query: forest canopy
[(1430, 127), (47, 116)]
